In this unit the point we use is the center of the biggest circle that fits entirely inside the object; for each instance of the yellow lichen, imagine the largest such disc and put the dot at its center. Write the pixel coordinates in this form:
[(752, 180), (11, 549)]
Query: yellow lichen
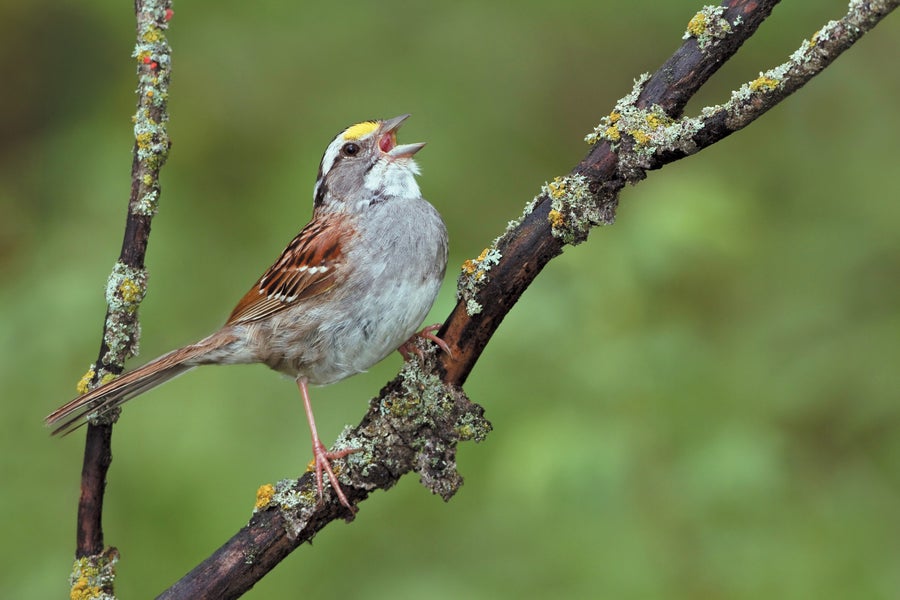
[(107, 378), (764, 83), (815, 39), (470, 266), (144, 139), (640, 137), (130, 291), (612, 134), (697, 25), (614, 117), (557, 187), (84, 384), (556, 218), (83, 590), (153, 35), (264, 495), (656, 121)]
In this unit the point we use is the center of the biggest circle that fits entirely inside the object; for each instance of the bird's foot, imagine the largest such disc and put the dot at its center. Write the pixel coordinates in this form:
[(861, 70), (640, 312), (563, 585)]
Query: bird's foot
[(409, 347), (323, 460)]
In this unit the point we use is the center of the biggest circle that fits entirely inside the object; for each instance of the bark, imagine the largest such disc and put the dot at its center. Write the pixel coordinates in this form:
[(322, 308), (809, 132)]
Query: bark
[(419, 418)]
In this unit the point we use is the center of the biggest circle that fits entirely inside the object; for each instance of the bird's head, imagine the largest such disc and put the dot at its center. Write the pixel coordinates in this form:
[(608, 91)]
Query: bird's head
[(365, 165)]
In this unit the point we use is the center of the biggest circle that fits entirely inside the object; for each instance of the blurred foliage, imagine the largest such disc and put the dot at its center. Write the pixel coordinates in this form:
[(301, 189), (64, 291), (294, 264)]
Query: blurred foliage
[(700, 402)]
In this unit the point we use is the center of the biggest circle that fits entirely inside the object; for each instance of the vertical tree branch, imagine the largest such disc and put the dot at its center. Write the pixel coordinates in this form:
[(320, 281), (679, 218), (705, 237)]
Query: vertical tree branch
[(127, 283)]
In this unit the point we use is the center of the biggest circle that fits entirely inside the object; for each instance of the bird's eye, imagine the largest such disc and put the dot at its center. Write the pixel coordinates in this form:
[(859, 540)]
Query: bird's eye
[(350, 149)]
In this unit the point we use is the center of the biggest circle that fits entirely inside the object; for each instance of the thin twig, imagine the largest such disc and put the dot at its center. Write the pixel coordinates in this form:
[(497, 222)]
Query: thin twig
[(127, 283)]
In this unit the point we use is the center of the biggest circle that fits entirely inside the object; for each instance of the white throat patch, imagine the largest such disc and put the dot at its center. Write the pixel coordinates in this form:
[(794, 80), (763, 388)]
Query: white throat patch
[(394, 178)]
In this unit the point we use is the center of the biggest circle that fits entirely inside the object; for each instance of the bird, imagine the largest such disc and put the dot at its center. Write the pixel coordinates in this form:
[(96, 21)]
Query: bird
[(353, 286)]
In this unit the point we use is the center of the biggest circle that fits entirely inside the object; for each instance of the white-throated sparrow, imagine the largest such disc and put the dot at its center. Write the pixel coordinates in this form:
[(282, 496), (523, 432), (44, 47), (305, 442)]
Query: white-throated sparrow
[(354, 284)]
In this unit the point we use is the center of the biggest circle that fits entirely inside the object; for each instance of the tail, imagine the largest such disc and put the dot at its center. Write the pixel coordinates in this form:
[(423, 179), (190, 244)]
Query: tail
[(72, 415)]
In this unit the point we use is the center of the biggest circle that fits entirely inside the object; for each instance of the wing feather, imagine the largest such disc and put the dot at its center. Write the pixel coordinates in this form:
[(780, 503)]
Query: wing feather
[(310, 265)]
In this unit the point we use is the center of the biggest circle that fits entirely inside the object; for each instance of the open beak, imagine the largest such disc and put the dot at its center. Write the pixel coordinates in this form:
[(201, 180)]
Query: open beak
[(388, 140)]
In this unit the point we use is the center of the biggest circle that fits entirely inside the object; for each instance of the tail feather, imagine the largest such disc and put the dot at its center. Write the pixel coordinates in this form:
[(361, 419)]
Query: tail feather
[(73, 414)]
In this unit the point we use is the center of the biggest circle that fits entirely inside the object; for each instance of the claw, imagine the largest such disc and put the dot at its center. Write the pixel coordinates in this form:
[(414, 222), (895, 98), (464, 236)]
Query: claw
[(409, 347), (323, 460), (322, 456)]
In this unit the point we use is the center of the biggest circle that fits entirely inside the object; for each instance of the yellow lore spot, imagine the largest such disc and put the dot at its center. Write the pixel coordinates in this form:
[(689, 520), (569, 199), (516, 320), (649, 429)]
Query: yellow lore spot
[(360, 130)]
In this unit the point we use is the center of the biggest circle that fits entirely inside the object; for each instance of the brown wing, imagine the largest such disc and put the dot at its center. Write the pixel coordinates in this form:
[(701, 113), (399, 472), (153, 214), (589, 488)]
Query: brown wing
[(311, 264)]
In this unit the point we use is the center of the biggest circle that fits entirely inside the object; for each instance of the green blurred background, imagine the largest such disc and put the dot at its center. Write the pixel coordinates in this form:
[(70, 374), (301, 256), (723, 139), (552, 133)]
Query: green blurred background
[(702, 401)]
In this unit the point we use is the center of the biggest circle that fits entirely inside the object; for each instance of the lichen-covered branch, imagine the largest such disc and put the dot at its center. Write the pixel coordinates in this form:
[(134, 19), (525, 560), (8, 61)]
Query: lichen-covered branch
[(570, 206), (413, 425), (419, 417), (93, 573), (645, 137), (643, 132)]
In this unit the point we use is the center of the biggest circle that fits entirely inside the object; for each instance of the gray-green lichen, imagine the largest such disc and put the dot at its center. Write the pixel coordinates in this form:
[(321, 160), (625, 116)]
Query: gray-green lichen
[(296, 504), (472, 427), (758, 95), (652, 131), (474, 275), (514, 224), (574, 208), (709, 26), (422, 395), (92, 577), (608, 128), (125, 289), (148, 204), (151, 136), (422, 405), (362, 458), (748, 100)]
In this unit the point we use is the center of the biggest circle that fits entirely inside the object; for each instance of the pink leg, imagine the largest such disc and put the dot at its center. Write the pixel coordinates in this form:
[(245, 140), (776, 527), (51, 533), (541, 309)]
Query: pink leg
[(321, 454), (409, 346)]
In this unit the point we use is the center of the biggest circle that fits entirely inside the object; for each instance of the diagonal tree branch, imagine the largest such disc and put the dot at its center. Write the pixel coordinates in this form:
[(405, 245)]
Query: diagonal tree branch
[(416, 421), (525, 249)]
